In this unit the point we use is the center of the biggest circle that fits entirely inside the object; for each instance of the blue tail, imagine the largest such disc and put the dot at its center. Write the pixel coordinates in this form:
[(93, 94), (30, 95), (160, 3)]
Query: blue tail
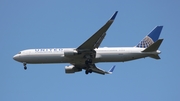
[(151, 38)]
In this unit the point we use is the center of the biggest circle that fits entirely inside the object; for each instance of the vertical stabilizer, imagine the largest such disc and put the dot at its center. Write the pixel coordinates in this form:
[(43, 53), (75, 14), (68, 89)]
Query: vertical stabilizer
[(152, 37)]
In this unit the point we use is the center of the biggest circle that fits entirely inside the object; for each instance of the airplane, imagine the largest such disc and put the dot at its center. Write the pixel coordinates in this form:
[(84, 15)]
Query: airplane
[(87, 54)]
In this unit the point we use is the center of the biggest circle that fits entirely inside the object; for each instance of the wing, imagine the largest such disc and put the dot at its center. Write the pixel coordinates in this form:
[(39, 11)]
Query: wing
[(87, 53), (95, 40), (95, 69), (100, 71)]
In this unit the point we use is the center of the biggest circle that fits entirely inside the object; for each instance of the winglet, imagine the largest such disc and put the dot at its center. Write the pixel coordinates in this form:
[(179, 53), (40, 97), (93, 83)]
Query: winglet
[(114, 16), (111, 70)]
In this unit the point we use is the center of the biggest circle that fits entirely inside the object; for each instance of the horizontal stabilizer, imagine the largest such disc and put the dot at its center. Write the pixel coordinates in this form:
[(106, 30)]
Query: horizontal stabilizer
[(155, 56), (154, 46)]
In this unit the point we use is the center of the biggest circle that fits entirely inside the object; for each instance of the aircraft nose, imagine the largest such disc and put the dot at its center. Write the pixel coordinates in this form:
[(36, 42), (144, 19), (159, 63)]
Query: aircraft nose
[(16, 57)]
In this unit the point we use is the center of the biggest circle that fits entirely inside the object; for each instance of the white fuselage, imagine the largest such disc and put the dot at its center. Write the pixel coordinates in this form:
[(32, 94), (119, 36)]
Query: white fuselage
[(56, 55), (88, 53)]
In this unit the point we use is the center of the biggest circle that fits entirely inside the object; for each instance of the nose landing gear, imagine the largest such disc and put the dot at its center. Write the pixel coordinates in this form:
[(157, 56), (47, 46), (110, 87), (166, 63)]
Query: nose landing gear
[(25, 67)]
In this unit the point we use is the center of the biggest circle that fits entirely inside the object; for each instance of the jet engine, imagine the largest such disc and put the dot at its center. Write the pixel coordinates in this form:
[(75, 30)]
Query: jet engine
[(70, 52), (72, 69)]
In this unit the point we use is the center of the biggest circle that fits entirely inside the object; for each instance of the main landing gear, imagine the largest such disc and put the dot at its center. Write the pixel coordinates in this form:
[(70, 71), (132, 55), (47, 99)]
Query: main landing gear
[(88, 62), (88, 71), (25, 67)]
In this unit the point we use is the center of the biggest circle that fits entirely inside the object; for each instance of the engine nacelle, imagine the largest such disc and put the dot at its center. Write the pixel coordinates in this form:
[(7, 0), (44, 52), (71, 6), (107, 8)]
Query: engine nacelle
[(72, 69), (70, 52)]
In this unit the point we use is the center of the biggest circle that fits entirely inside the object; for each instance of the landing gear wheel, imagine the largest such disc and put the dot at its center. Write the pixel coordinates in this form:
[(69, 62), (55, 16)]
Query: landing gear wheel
[(90, 70), (24, 66), (86, 71)]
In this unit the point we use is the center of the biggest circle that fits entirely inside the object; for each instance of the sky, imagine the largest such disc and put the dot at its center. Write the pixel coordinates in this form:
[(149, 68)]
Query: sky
[(26, 24)]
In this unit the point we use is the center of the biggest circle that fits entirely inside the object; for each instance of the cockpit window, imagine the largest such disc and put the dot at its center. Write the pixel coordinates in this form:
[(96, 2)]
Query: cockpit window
[(19, 53)]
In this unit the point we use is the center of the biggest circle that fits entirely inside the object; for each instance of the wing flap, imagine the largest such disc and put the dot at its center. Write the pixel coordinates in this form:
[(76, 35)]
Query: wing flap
[(100, 71)]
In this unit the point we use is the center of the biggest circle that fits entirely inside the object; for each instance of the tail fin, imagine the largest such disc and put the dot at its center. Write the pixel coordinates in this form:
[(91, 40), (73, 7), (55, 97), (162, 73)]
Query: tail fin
[(151, 38)]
